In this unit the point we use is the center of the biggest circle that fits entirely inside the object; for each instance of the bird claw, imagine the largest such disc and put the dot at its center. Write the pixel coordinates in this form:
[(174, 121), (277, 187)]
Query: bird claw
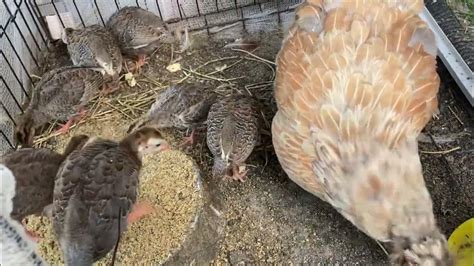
[(139, 63), (238, 174), (139, 210), (189, 140), (65, 127)]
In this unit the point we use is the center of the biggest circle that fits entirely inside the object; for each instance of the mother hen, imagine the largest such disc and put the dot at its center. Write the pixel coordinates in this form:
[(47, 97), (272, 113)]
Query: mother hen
[(356, 83)]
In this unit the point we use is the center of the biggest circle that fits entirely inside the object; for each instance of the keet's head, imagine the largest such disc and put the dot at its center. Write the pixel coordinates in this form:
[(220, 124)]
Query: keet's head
[(149, 140), (65, 34), (24, 130), (105, 62)]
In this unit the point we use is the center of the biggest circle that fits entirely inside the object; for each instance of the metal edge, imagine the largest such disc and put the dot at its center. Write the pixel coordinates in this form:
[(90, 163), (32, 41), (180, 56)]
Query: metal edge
[(453, 61)]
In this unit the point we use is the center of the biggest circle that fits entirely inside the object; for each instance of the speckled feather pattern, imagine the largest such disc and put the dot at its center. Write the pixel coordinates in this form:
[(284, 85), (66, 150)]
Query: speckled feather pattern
[(87, 45), (92, 184), (356, 82), (138, 31), (61, 93), (233, 128), (182, 106)]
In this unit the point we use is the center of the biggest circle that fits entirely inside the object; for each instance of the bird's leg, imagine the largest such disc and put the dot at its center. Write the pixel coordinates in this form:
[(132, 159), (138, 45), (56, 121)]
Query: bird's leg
[(239, 173), (81, 115), (139, 210), (189, 140), (141, 61), (65, 127)]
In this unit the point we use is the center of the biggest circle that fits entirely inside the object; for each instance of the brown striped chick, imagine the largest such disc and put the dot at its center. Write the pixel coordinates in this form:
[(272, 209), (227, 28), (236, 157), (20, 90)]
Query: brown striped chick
[(233, 126), (356, 83)]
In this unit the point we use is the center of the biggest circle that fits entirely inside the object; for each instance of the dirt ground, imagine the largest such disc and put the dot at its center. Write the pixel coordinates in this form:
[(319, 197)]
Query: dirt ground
[(269, 218)]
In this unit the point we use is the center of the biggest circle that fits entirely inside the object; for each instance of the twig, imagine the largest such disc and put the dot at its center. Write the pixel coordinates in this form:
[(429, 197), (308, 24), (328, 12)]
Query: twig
[(441, 152), (216, 60), (382, 247), (455, 115), (267, 64), (209, 77), (255, 56)]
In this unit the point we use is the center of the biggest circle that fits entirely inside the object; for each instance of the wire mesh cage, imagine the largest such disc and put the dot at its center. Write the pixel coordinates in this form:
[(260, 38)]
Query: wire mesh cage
[(27, 28)]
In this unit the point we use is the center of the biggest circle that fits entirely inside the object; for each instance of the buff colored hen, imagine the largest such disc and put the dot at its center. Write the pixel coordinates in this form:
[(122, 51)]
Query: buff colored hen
[(356, 83)]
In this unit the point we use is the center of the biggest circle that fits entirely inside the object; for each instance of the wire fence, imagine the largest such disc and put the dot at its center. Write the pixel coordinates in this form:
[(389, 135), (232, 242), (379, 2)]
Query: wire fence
[(27, 27)]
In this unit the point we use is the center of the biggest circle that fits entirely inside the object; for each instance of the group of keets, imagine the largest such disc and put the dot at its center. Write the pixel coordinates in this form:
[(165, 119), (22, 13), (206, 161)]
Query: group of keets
[(356, 83)]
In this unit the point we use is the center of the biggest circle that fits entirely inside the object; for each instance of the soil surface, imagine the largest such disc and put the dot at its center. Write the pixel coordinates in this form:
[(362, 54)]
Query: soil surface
[(269, 218)]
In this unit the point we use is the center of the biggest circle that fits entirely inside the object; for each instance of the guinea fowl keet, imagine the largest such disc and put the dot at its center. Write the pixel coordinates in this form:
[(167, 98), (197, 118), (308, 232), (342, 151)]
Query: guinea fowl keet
[(93, 186), (95, 46), (181, 106), (35, 171), (233, 130), (139, 32), (60, 94), (356, 83)]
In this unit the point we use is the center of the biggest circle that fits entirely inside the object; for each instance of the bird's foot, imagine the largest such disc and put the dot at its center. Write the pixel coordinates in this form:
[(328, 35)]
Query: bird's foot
[(82, 114), (189, 140), (141, 61), (239, 173), (139, 210), (65, 127)]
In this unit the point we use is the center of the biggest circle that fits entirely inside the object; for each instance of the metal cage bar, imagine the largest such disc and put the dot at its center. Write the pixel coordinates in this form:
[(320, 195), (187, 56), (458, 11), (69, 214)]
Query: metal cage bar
[(27, 18)]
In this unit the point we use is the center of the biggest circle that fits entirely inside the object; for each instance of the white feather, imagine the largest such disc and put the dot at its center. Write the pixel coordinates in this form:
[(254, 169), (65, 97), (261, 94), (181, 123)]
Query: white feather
[(16, 247)]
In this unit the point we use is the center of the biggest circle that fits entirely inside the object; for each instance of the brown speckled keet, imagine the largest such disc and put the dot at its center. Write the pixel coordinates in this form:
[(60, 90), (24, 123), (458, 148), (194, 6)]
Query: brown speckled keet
[(94, 46), (233, 126), (60, 94), (94, 186), (180, 106)]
